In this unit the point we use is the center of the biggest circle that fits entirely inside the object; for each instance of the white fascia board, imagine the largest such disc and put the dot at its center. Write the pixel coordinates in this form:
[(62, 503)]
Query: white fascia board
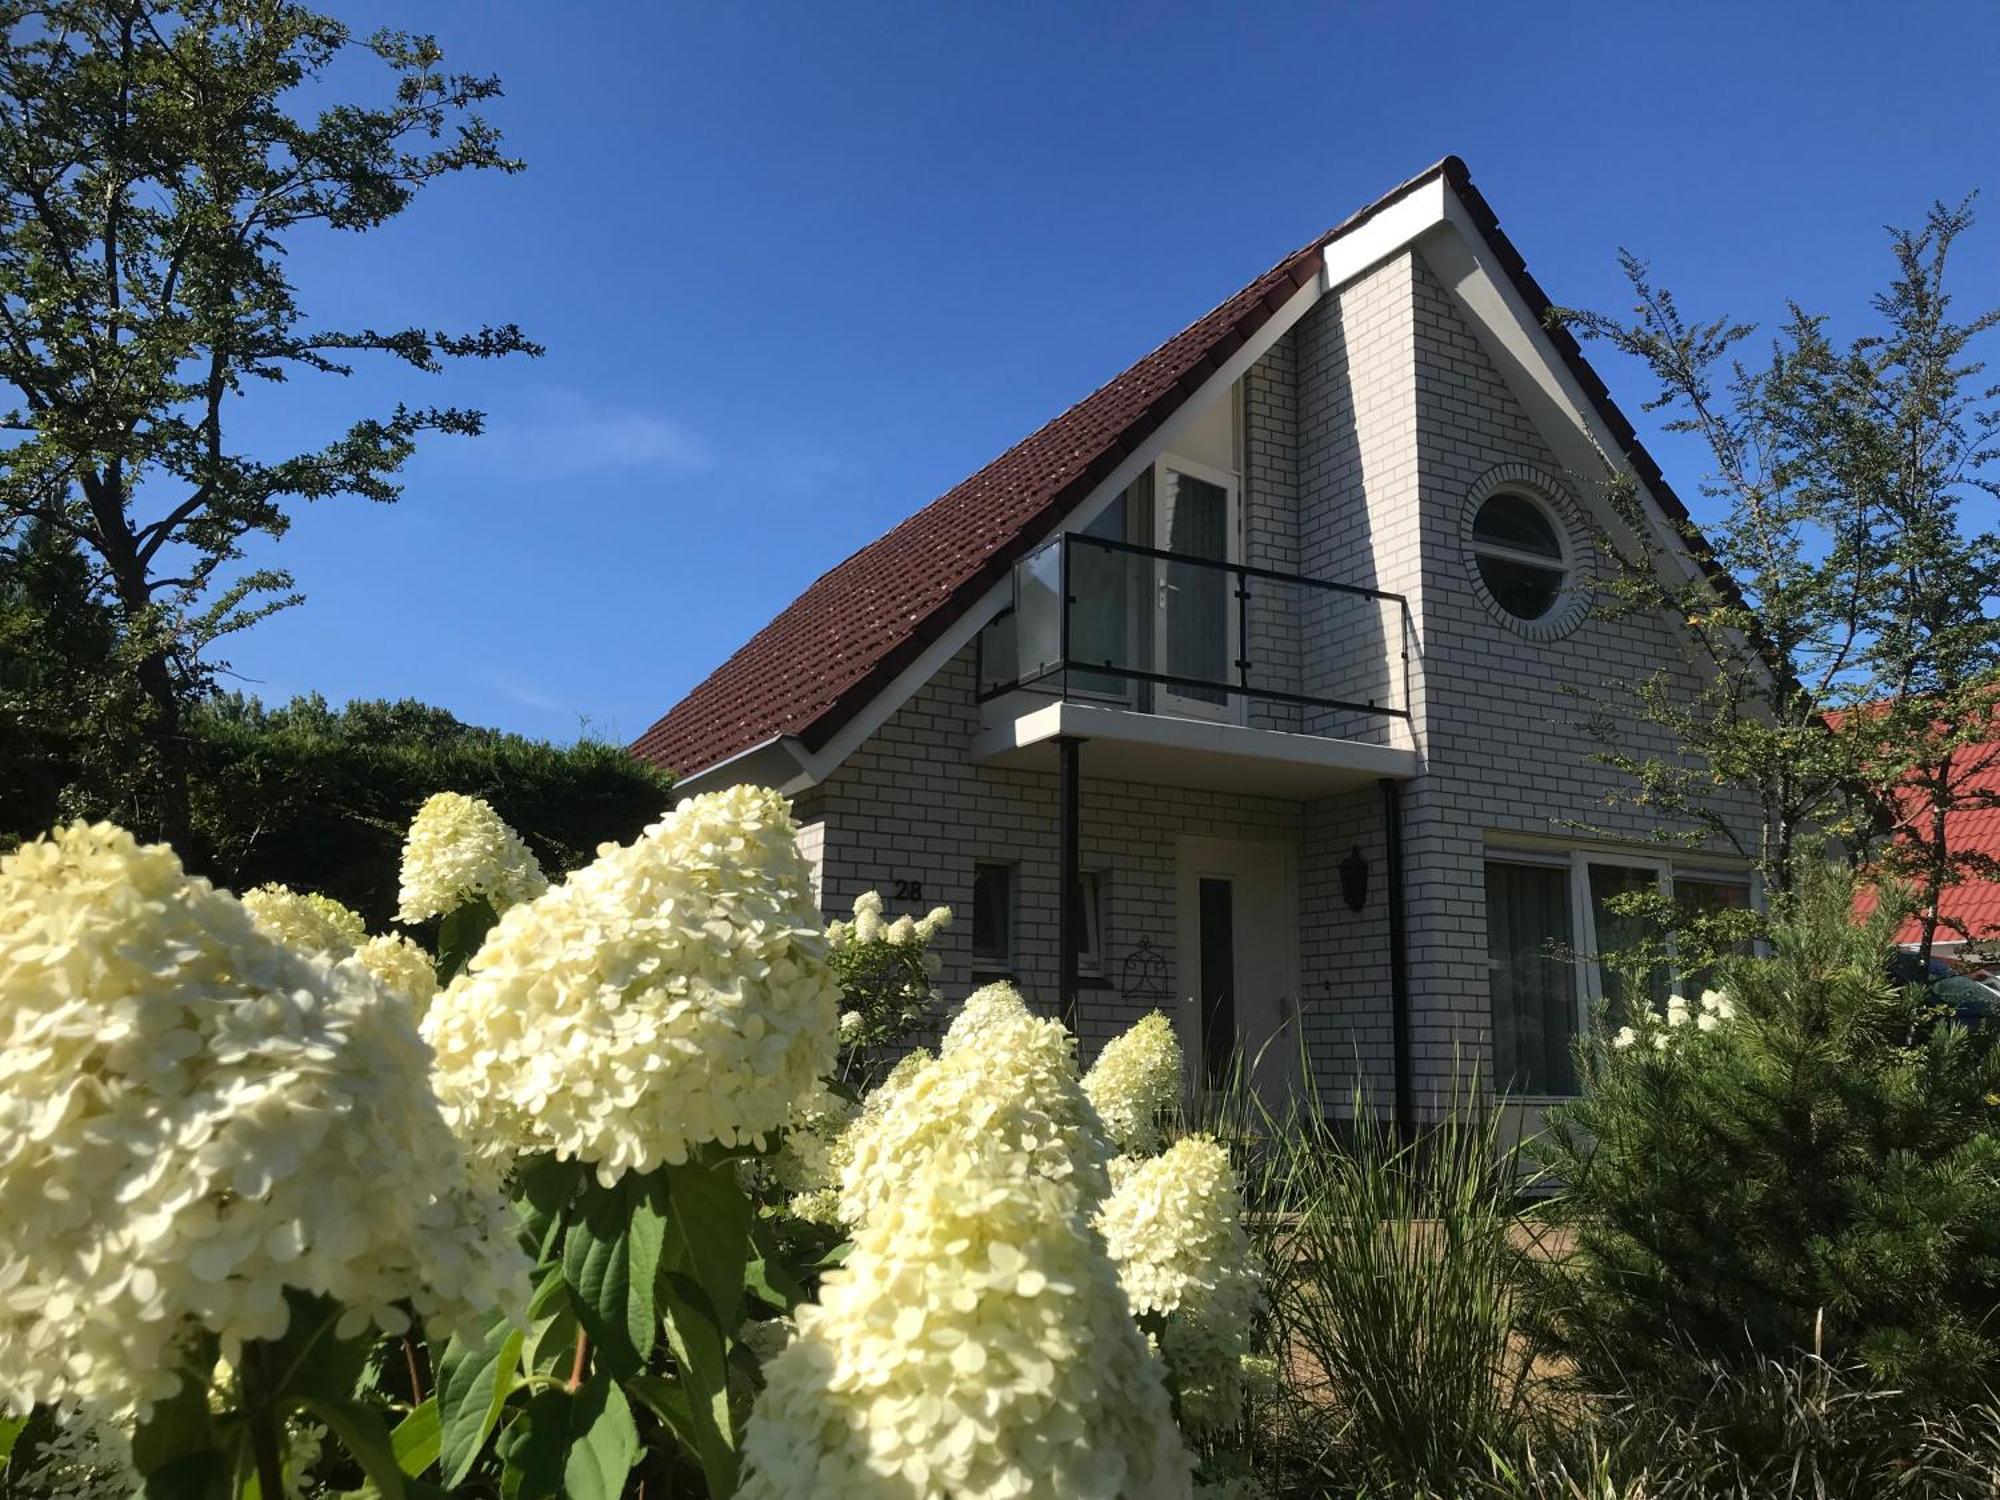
[(778, 762), (818, 765), (1363, 248)]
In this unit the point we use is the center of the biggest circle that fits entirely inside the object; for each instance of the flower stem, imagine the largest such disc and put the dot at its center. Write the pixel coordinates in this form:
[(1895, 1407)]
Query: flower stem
[(261, 1418), (582, 1360)]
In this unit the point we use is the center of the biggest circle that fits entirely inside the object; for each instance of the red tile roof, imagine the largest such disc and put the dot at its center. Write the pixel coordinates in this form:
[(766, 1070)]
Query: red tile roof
[(1972, 908), (841, 642)]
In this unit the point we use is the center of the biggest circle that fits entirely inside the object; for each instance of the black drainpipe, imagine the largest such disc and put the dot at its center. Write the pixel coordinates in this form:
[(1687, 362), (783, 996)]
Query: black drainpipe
[(1399, 960), (1068, 879)]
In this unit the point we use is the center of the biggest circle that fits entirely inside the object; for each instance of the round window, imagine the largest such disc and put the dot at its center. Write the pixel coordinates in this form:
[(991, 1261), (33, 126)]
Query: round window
[(1520, 555)]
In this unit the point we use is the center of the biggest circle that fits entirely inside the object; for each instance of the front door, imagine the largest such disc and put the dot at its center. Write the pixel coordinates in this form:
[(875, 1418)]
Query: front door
[(1195, 614), (1238, 958)]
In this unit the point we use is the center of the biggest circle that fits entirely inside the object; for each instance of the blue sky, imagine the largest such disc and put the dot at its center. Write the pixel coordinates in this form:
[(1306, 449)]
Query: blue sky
[(800, 268)]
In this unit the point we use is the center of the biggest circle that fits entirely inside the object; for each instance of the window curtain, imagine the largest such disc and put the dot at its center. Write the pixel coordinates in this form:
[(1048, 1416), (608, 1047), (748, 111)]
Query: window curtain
[(1532, 988), (1197, 598)]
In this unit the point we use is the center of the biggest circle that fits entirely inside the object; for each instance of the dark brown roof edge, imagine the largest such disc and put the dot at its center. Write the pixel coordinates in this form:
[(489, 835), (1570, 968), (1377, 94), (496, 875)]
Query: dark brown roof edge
[(1302, 266)]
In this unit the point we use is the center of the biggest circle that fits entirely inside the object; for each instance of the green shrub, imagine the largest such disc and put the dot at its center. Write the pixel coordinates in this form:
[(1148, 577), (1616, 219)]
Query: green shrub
[(1768, 1431), (1817, 1174), (319, 799)]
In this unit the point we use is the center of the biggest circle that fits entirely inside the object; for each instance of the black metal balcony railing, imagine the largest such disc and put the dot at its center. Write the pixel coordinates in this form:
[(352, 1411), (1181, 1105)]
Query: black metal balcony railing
[(1169, 632)]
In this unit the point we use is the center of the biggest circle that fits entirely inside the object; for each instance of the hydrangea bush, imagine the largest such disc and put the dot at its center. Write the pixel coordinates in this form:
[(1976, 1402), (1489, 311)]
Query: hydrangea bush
[(977, 1340), (249, 1160), (199, 1125), (673, 993), (1174, 1226), (1136, 1083), (459, 851)]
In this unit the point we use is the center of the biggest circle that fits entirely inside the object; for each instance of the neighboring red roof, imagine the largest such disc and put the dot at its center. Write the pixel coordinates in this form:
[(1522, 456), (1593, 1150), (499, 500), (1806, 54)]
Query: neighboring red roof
[(1972, 908), (840, 642)]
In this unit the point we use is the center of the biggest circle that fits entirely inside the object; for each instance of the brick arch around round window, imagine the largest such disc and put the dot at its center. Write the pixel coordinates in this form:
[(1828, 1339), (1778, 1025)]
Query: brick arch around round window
[(1579, 553)]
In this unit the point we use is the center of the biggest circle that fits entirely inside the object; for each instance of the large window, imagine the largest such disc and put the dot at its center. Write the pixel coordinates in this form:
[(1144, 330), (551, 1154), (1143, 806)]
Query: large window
[(1559, 943), (993, 917)]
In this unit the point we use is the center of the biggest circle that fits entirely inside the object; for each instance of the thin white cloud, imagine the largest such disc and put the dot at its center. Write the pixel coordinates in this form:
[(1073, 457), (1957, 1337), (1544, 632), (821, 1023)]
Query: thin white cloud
[(559, 431), (523, 691)]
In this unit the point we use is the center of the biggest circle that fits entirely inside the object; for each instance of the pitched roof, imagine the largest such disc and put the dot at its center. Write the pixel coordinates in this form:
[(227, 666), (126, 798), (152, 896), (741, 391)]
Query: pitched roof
[(857, 626)]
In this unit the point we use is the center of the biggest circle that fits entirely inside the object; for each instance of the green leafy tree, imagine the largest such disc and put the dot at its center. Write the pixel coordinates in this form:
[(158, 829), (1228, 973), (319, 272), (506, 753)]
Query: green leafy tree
[(1842, 634), (1810, 1167), (153, 172), (67, 743)]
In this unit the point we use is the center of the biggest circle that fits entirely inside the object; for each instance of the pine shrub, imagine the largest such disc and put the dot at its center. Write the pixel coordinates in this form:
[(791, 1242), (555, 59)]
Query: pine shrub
[(1807, 1169)]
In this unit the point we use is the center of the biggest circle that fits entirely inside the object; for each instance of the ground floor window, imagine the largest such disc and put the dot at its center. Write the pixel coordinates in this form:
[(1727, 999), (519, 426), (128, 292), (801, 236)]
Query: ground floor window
[(993, 921), (1553, 927), (1088, 923)]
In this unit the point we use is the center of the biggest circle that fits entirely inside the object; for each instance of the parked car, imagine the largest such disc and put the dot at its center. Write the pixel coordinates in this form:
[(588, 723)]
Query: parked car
[(1974, 1002)]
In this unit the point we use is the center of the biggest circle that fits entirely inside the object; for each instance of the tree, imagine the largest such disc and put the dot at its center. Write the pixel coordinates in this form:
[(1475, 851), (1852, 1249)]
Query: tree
[(152, 176), (1809, 1164), (1842, 630)]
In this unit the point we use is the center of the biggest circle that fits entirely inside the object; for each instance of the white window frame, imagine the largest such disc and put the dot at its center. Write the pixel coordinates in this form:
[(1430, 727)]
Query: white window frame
[(1165, 699), (1564, 565), (1010, 926), (1589, 985)]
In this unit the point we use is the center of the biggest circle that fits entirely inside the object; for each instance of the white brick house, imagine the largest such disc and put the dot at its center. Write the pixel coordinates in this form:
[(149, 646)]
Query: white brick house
[(1295, 600)]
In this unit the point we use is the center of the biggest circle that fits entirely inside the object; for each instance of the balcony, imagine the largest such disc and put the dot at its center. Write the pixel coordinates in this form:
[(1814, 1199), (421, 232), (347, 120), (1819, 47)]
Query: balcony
[(1188, 671)]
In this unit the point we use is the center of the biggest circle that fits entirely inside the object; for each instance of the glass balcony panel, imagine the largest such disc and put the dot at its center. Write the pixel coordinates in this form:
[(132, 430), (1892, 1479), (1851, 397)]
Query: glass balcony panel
[(1038, 607)]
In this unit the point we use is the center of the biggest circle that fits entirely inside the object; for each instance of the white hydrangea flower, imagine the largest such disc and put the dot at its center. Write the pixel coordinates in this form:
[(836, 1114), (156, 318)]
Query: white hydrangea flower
[(867, 924), (194, 1117), (1625, 1037), (1677, 1010), (974, 1343), (1174, 1226), (1716, 1003), (933, 922), (1136, 1080), (672, 993), (458, 850), (1015, 1095), (807, 1165), (402, 965), (309, 922), (992, 1005)]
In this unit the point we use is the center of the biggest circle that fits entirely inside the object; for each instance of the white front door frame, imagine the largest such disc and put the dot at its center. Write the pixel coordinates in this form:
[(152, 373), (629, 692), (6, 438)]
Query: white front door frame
[(1264, 920)]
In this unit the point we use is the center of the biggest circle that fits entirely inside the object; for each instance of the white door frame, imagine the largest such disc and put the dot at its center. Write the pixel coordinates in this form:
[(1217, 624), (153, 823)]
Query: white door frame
[(1166, 699)]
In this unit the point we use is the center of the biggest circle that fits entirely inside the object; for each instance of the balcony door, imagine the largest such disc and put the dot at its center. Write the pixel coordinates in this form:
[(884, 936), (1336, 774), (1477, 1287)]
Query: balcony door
[(1195, 616)]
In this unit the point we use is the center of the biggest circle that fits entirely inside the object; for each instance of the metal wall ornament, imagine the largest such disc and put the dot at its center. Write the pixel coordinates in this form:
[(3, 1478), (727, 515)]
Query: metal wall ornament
[(1144, 975)]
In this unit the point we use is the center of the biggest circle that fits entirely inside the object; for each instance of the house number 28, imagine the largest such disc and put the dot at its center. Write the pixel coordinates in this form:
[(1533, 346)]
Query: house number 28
[(909, 890)]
